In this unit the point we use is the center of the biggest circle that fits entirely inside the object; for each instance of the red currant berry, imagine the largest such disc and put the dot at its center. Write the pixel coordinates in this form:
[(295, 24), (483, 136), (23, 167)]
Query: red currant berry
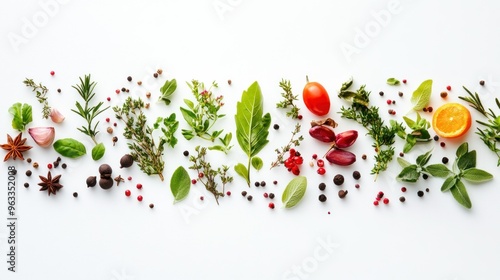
[(139, 186), (320, 163), (139, 197), (128, 193), (321, 171)]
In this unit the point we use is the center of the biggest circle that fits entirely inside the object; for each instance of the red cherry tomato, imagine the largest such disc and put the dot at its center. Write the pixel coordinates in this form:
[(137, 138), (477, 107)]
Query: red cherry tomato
[(316, 98)]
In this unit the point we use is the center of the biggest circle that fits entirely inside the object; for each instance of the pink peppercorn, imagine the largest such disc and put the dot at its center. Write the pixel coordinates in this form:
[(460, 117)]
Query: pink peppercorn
[(404, 81), (109, 98), (448, 87), (389, 102), (49, 166), (386, 200), (52, 73), (228, 193), (266, 195), (139, 186), (127, 192), (403, 189), (193, 181), (139, 197), (117, 91), (271, 205), (375, 203)]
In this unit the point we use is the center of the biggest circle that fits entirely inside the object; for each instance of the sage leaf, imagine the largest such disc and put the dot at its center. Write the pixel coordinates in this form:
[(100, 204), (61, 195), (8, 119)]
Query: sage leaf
[(257, 163), (167, 90), (409, 174), (476, 175), (393, 81), (468, 160), (460, 194), (448, 184), (438, 170), (462, 149), (180, 184), (423, 159), (98, 151), (22, 115), (403, 162), (242, 170), (294, 191), (422, 95), (69, 147)]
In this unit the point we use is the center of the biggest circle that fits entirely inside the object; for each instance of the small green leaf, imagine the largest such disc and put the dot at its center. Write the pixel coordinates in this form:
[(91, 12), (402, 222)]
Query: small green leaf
[(393, 81), (257, 163), (422, 95), (22, 115), (402, 162), (188, 115), (189, 103), (460, 194), (448, 184), (69, 147), (242, 171), (409, 174), (438, 170), (468, 160), (409, 122), (462, 149), (410, 143), (423, 159), (476, 175), (98, 151), (167, 90), (294, 191), (180, 184), (217, 148)]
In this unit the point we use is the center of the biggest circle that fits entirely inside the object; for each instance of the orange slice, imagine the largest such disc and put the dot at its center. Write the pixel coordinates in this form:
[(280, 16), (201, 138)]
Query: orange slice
[(451, 120)]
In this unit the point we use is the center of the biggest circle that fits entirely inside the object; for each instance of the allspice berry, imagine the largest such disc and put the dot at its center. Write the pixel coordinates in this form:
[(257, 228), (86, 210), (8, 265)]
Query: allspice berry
[(106, 183), (91, 181), (105, 171), (126, 161), (342, 193)]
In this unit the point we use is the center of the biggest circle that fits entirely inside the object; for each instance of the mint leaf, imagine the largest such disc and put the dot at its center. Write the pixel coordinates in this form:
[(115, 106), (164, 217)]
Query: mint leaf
[(393, 81), (422, 95), (460, 194), (409, 174), (438, 170), (180, 184), (294, 191), (468, 160), (476, 175)]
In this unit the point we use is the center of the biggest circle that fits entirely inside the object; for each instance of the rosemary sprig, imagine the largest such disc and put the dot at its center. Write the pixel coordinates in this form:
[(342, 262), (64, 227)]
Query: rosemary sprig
[(41, 95), (288, 100), (294, 142), (490, 134), (207, 175), (145, 151), (369, 117), (88, 112)]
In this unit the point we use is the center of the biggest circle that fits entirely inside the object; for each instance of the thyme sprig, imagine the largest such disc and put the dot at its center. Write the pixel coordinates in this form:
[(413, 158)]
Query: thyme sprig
[(147, 152), (88, 112), (41, 95), (368, 116), (294, 142), (288, 100), (490, 134), (207, 175)]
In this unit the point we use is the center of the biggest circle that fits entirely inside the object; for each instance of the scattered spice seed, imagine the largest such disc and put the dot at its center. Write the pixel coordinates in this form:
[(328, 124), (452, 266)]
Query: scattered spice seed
[(271, 195), (228, 193), (442, 144), (75, 194), (338, 179), (49, 166), (403, 189), (393, 102), (426, 189), (425, 176), (322, 197), (356, 186), (127, 90), (58, 159), (381, 93), (115, 139), (444, 94), (275, 182), (322, 186), (229, 82), (124, 89), (64, 165), (139, 82), (356, 175), (244, 193), (35, 165), (128, 193), (271, 205), (404, 81), (445, 160), (257, 184), (139, 197), (263, 183), (375, 203), (420, 193), (380, 194), (424, 109), (249, 198), (436, 138), (299, 117), (155, 75), (151, 205), (448, 87), (386, 200), (400, 94), (363, 157), (59, 90), (276, 126), (26, 185), (266, 195), (56, 164), (429, 109), (109, 130), (139, 186), (193, 181), (52, 73), (109, 98), (202, 198), (401, 154), (389, 102), (186, 153), (402, 199), (28, 173), (28, 160), (314, 156), (481, 82), (321, 171), (343, 193), (320, 163), (129, 79)]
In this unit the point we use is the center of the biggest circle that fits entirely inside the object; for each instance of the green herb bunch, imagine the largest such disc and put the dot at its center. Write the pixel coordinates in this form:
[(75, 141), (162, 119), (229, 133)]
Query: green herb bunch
[(41, 95), (209, 176), (21, 115), (144, 149), (288, 100), (418, 134), (368, 116), (202, 115), (490, 133), (294, 142)]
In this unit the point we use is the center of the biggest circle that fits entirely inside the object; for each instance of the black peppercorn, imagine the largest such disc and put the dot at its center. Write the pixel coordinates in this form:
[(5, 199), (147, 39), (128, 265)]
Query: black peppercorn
[(381, 93), (356, 175), (244, 193), (123, 89), (59, 90), (263, 183), (400, 94), (151, 205), (64, 165), (276, 126), (129, 79), (420, 193), (363, 156), (322, 197), (75, 194), (26, 185), (426, 189), (185, 153), (402, 199), (322, 186), (249, 198), (481, 82), (338, 179), (425, 176), (257, 184), (444, 160), (271, 195), (436, 138), (28, 173), (155, 75)]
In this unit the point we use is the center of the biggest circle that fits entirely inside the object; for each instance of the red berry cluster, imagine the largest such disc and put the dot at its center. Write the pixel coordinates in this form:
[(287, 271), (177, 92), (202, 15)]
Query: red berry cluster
[(293, 162)]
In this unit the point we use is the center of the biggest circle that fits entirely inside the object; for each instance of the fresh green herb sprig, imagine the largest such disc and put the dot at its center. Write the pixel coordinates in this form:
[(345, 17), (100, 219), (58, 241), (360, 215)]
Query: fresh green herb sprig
[(368, 116), (209, 176), (144, 149), (288, 100), (202, 115), (21, 115), (412, 172), (41, 95), (294, 142), (418, 134), (167, 90), (490, 133), (464, 167)]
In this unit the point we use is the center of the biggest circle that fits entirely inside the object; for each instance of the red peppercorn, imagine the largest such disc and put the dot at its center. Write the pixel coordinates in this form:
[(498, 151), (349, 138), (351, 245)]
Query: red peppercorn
[(139, 197), (107, 119), (275, 182), (321, 171), (299, 117), (109, 98), (320, 163), (378, 198), (389, 102), (292, 152), (448, 87), (228, 193), (356, 186), (375, 203), (271, 205), (52, 73), (193, 181), (139, 186), (202, 198), (386, 200), (127, 193), (200, 175), (404, 81), (117, 91), (403, 189), (115, 124), (314, 156), (49, 166), (442, 144), (266, 195), (129, 178)]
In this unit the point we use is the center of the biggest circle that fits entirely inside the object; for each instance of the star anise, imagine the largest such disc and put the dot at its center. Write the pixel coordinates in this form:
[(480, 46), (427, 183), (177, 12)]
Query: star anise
[(50, 184), (15, 147)]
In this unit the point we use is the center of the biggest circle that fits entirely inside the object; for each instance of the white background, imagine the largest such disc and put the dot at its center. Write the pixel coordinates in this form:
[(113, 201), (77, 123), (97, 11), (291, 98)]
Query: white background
[(105, 235)]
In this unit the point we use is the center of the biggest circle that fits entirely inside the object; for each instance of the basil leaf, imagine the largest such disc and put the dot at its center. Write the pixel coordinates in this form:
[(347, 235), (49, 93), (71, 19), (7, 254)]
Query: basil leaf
[(294, 191), (242, 171), (22, 115), (448, 183), (476, 175), (167, 90), (438, 170), (422, 95), (460, 194), (462, 149), (393, 81), (409, 174), (257, 163), (180, 184), (402, 162), (423, 159), (468, 160), (98, 151), (69, 147)]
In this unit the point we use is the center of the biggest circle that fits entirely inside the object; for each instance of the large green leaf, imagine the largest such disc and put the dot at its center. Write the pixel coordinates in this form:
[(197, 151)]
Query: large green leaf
[(476, 175), (294, 191), (180, 183), (422, 95), (438, 170)]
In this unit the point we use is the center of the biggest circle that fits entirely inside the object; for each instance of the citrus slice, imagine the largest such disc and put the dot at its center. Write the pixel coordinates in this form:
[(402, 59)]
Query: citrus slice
[(451, 120)]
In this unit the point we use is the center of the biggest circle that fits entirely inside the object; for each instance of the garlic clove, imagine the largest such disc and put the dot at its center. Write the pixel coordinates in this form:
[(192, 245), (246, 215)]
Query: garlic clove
[(43, 136), (56, 116)]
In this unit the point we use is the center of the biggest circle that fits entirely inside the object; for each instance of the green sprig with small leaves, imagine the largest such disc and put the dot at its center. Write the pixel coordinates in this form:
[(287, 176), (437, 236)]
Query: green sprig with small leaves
[(209, 176), (418, 134), (294, 142), (288, 100), (368, 116), (147, 152), (490, 133), (412, 172), (41, 95)]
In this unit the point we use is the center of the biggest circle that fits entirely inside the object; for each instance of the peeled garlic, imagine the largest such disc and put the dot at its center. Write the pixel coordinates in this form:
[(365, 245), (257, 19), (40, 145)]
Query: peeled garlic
[(43, 136), (56, 116)]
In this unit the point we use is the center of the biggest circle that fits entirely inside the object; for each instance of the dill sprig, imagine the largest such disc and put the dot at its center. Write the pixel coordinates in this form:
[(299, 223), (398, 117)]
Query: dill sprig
[(41, 95), (368, 116), (490, 134), (288, 100)]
